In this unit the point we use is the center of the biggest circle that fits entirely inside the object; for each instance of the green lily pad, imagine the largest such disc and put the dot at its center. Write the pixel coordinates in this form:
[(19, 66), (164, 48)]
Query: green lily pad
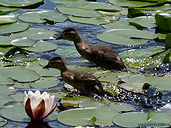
[(17, 96), (19, 3), (14, 27), (87, 116), (81, 12), (132, 119), (128, 3), (20, 74), (143, 22), (14, 111), (67, 1), (23, 42), (68, 51), (168, 41), (101, 6), (110, 77), (144, 58), (6, 90), (5, 99), (42, 16), (89, 20), (71, 101), (36, 34), (42, 46), (119, 107), (4, 19), (4, 80), (134, 12), (126, 36), (6, 40), (45, 82), (122, 23), (136, 82)]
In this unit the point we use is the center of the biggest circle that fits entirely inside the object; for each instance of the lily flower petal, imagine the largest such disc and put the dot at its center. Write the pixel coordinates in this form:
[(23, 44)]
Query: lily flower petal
[(39, 111), (28, 108)]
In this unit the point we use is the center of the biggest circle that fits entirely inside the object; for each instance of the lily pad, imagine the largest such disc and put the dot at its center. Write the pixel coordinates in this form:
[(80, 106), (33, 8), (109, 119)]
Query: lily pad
[(87, 116), (83, 68), (101, 6), (90, 20), (71, 101), (136, 82), (7, 10), (6, 40), (19, 3), (14, 27), (42, 16), (81, 12), (119, 107), (128, 3), (122, 23), (42, 46), (20, 74), (68, 51), (4, 19), (23, 42), (144, 58), (168, 41), (14, 111), (5, 99), (36, 34), (6, 90), (132, 119), (143, 22), (45, 82), (4, 80), (67, 1), (126, 36)]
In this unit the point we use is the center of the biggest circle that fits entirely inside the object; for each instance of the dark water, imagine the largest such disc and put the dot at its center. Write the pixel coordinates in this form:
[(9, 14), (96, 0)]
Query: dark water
[(143, 102)]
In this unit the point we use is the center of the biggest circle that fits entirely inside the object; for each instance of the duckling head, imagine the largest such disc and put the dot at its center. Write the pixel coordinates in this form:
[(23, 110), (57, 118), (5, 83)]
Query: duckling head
[(56, 62), (70, 34)]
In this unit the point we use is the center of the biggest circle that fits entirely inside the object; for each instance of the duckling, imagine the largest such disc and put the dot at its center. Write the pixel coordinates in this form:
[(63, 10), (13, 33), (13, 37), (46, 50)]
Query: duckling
[(101, 55), (86, 83)]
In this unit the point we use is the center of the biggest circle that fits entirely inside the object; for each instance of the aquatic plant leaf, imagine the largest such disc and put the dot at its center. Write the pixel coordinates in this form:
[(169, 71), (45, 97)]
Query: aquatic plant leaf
[(13, 27), (19, 3), (168, 41), (23, 42), (81, 12), (122, 23), (42, 46), (119, 107), (4, 80), (42, 16), (134, 12), (6, 40), (136, 82), (71, 101), (128, 3), (68, 51), (45, 82), (142, 58), (20, 74), (101, 6), (5, 19), (35, 33), (163, 22), (6, 90), (82, 117), (143, 22), (83, 68), (126, 36), (67, 1), (89, 20), (14, 111), (132, 119), (17, 96), (3, 122), (5, 99)]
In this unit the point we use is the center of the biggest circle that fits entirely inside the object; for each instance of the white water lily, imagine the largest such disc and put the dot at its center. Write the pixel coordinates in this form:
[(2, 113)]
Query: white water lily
[(37, 105)]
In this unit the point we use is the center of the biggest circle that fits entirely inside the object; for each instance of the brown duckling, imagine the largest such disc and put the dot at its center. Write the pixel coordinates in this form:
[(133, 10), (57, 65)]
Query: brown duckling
[(101, 55), (86, 83)]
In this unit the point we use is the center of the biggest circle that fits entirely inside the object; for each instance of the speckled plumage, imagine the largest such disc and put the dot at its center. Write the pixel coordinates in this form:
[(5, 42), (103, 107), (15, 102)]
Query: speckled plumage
[(101, 55)]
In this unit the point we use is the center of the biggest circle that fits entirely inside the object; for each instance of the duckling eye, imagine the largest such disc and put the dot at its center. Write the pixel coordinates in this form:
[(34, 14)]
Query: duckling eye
[(52, 62)]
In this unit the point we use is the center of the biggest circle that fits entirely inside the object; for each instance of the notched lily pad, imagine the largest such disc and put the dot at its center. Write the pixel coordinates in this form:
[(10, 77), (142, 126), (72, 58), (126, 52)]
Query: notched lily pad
[(87, 116), (126, 36)]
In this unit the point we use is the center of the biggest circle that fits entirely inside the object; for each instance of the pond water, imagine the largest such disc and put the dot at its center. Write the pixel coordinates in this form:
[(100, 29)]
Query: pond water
[(142, 102)]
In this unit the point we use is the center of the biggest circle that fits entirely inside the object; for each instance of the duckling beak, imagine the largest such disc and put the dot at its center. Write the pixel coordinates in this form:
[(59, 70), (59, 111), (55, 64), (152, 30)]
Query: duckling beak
[(46, 67), (60, 37)]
